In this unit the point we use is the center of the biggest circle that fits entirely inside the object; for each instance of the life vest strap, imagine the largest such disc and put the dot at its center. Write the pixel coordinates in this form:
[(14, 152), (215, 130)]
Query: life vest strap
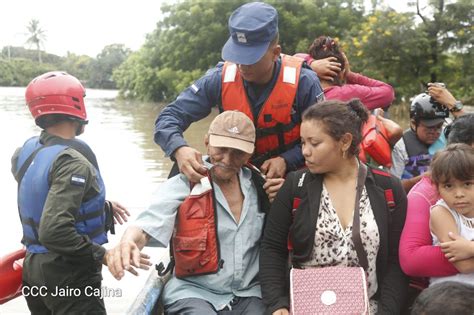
[(90, 215), (279, 128), (96, 232)]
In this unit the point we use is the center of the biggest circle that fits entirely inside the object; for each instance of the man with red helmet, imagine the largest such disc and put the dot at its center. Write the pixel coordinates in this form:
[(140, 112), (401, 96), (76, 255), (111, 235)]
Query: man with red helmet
[(61, 202)]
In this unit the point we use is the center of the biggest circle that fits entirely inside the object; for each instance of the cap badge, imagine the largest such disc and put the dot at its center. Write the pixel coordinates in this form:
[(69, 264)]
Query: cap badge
[(241, 37), (233, 130)]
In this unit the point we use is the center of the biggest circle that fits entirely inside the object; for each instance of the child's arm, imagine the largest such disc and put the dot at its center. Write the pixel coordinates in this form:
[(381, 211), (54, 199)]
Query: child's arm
[(458, 248), (441, 223)]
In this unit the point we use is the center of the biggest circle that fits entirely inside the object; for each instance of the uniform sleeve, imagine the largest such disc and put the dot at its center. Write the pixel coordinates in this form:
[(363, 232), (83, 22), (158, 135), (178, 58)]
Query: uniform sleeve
[(372, 93), (309, 92), (158, 219), (57, 231), (418, 257), (193, 104)]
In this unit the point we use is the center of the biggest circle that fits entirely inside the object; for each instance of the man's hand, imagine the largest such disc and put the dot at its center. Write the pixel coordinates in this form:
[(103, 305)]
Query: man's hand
[(274, 168), (457, 249), (120, 212), (281, 311), (190, 163), (123, 256), (272, 186), (326, 69), (441, 95)]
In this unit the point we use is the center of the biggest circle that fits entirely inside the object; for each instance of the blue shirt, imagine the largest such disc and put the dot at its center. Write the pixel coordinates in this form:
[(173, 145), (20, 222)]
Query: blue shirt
[(238, 242), (196, 102)]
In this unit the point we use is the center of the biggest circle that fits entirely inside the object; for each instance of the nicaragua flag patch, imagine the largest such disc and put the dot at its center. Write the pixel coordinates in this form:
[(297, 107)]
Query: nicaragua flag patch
[(78, 180)]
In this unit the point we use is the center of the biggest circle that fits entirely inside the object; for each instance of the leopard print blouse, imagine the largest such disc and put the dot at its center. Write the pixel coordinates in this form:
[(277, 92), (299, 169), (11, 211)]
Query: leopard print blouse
[(333, 245)]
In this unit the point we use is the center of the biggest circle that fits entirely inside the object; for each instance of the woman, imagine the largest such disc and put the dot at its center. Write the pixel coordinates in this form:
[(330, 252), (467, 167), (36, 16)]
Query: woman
[(325, 57), (345, 84), (330, 136), (418, 257)]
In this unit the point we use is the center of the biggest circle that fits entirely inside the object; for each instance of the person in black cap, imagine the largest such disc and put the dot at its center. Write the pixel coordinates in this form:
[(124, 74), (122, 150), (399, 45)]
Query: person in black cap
[(412, 154), (272, 89)]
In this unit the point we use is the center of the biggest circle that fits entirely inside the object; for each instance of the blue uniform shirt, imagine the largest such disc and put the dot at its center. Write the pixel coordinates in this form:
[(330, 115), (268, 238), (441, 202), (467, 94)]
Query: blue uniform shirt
[(196, 102)]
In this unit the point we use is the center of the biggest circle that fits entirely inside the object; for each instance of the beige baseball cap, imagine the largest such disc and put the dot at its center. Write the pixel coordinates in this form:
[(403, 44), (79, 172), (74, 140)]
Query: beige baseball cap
[(232, 129)]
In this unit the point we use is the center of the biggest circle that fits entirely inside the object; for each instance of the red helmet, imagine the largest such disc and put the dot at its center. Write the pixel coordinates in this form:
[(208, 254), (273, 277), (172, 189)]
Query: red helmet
[(56, 92)]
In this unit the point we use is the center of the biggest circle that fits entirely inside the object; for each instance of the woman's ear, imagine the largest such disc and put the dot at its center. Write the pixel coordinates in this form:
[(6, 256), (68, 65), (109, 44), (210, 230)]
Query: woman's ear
[(346, 141)]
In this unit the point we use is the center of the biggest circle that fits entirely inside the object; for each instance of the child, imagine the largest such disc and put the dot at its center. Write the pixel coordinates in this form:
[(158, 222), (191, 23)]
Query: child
[(452, 170)]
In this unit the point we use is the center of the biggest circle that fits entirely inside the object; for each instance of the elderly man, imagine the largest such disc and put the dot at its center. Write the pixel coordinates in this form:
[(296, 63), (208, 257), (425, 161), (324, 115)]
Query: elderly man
[(272, 89), (215, 227)]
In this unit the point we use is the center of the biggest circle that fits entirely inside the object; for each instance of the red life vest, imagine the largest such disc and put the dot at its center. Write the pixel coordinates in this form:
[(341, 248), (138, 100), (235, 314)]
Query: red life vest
[(375, 142), (195, 244), (276, 132)]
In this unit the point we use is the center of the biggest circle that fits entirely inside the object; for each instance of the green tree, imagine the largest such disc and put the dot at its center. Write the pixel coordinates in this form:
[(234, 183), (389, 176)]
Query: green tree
[(189, 41), (448, 28), (37, 36), (101, 69), (78, 66)]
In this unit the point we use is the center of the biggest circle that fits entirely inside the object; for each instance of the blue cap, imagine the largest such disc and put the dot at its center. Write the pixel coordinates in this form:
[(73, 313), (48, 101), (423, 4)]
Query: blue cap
[(252, 27)]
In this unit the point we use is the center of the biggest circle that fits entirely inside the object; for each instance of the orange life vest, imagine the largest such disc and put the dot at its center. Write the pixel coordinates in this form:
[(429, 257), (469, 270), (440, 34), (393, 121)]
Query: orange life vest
[(375, 142), (195, 244), (275, 130)]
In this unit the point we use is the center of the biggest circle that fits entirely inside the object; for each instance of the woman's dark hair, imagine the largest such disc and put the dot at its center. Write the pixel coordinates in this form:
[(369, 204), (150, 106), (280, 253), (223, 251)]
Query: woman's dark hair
[(456, 161), (461, 130), (323, 47), (340, 118)]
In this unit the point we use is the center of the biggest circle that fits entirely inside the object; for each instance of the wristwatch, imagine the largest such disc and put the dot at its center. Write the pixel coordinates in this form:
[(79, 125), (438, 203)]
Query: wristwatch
[(457, 107)]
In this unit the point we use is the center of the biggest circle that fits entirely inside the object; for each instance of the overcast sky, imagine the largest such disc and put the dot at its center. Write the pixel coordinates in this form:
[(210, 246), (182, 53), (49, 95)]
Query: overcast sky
[(86, 26)]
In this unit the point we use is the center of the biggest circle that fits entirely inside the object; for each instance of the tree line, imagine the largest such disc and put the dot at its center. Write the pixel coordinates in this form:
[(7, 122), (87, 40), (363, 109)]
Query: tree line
[(431, 44), (19, 65)]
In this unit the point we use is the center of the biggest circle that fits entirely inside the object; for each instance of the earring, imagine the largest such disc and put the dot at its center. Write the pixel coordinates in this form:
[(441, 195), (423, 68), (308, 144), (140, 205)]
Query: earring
[(344, 154)]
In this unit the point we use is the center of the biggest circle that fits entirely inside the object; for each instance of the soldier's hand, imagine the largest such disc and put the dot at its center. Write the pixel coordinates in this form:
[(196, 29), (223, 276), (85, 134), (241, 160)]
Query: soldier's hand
[(120, 212), (125, 256), (274, 168), (190, 163)]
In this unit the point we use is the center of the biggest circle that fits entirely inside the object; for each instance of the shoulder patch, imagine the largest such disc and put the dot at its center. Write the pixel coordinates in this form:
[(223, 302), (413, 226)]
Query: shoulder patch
[(78, 180), (195, 88)]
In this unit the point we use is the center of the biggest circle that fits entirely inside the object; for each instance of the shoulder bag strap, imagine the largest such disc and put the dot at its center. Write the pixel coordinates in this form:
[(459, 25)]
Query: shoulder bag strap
[(361, 254)]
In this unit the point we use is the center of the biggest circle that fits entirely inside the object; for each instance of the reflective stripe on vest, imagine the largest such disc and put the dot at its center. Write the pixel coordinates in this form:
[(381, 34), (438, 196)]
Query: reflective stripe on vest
[(33, 192), (276, 131)]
